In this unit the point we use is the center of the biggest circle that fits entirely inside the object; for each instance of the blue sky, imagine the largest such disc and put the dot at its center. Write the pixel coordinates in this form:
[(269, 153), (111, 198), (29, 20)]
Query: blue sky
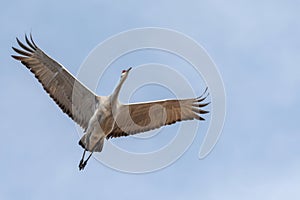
[(256, 46)]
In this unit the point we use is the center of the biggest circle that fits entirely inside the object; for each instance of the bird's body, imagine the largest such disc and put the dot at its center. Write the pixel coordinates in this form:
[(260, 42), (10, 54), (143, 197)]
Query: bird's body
[(102, 117)]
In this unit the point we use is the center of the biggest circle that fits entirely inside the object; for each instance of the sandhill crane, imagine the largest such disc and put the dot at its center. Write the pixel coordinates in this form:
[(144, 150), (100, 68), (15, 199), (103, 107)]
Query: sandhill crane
[(102, 117)]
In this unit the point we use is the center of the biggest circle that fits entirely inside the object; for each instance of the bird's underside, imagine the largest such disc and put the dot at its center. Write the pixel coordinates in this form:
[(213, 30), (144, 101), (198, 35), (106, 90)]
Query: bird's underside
[(103, 117)]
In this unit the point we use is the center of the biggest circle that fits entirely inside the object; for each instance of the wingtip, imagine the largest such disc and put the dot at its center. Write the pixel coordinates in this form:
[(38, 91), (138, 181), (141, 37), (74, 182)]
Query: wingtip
[(204, 112), (15, 49), (201, 98), (30, 43), (206, 89), (19, 58), (23, 46), (200, 118), (31, 38), (204, 104)]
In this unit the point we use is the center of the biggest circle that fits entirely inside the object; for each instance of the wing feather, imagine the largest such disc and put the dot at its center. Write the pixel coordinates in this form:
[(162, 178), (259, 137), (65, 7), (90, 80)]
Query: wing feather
[(136, 118), (67, 92)]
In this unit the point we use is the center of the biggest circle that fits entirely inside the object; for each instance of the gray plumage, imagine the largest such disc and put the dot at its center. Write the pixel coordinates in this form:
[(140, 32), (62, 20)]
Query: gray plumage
[(102, 116)]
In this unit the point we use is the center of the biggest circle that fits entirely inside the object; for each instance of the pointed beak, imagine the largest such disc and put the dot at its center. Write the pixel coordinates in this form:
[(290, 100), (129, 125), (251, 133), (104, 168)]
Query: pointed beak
[(129, 69)]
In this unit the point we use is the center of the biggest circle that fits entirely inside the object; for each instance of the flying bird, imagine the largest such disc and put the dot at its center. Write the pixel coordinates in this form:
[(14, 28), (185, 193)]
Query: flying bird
[(102, 117)]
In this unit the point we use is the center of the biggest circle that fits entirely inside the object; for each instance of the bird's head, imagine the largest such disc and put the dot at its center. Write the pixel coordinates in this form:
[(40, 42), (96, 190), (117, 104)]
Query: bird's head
[(125, 72)]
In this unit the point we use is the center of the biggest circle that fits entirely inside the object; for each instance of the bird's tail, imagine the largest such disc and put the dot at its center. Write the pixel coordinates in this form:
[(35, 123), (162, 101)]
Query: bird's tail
[(83, 142)]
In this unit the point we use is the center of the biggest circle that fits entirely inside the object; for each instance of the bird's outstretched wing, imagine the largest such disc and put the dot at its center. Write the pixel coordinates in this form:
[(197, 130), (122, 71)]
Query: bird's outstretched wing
[(70, 95), (136, 118)]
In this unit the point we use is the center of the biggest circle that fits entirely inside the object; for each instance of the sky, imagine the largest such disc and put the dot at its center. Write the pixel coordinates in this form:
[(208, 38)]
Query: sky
[(255, 45)]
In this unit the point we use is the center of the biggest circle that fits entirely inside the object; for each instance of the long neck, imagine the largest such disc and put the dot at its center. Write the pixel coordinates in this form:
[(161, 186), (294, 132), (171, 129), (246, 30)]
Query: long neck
[(114, 96)]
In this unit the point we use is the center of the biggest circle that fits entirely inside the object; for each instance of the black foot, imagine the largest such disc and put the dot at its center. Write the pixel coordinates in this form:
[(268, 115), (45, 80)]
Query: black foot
[(82, 164)]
